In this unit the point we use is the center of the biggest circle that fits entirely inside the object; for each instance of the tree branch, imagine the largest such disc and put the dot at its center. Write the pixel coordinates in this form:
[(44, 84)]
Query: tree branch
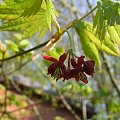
[(24, 52), (58, 35), (111, 74)]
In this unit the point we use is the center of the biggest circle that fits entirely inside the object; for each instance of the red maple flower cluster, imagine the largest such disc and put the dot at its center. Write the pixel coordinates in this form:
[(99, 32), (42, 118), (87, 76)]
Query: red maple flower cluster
[(77, 67)]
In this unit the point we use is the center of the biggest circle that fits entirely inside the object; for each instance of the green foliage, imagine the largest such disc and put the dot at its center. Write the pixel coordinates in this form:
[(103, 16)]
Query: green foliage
[(114, 32), (49, 13), (89, 48), (114, 106), (108, 14), (23, 44), (33, 9), (86, 90), (67, 87), (3, 50), (56, 52), (91, 42), (33, 16), (26, 19), (13, 46)]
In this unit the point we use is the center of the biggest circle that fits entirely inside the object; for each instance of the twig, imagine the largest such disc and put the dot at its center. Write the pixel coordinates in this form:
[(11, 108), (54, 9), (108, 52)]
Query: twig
[(24, 52), (111, 74), (90, 7), (66, 103), (31, 105), (84, 109), (77, 21), (19, 67), (36, 110)]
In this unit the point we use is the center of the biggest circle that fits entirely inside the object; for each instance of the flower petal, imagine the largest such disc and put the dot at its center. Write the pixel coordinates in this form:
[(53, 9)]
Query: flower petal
[(88, 67), (63, 57), (81, 60), (49, 58), (73, 63), (85, 81)]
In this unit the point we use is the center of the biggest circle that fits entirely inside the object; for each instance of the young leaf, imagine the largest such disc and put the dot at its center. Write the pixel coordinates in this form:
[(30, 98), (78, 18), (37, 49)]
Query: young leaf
[(28, 24), (108, 13), (49, 12), (33, 9), (106, 46), (114, 34), (13, 46), (89, 47), (23, 44)]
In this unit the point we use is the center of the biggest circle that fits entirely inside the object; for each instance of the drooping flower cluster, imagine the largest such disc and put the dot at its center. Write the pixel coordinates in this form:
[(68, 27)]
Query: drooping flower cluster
[(77, 67)]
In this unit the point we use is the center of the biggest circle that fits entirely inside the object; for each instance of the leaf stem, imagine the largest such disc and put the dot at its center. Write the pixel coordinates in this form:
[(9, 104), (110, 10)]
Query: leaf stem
[(71, 40)]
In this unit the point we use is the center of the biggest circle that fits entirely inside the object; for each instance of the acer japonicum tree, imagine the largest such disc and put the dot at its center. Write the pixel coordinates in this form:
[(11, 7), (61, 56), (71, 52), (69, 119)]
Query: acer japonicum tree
[(33, 17)]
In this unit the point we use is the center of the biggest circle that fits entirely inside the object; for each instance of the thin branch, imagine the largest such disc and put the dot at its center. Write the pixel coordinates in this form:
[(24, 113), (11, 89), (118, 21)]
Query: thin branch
[(19, 67), (36, 110), (111, 74), (90, 7), (68, 106), (77, 21), (26, 107), (24, 52), (66, 103), (84, 108)]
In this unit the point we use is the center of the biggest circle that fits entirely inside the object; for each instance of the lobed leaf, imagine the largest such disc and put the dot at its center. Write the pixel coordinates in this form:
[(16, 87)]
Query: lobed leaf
[(89, 47), (89, 39), (108, 14), (114, 34), (34, 18), (32, 9)]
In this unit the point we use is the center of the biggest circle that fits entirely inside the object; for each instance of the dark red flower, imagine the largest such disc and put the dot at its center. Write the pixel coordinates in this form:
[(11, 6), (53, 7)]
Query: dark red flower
[(57, 68), (67, 74), (88, 67), (81, 76), (77, 72), (77, 67), (73, 62), (82, 67), (80, 60)]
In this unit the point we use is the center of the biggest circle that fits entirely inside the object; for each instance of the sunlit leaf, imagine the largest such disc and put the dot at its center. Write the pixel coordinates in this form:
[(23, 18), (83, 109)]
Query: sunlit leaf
[(108, 14), (32, 9), (24, 44), (89, 47), (13, 46), (49, 12), (106, 46), (114, 34), (24, 18)]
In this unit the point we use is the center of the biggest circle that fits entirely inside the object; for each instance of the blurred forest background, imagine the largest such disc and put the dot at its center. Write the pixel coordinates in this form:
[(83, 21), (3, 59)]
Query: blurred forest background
[(33, 95)]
